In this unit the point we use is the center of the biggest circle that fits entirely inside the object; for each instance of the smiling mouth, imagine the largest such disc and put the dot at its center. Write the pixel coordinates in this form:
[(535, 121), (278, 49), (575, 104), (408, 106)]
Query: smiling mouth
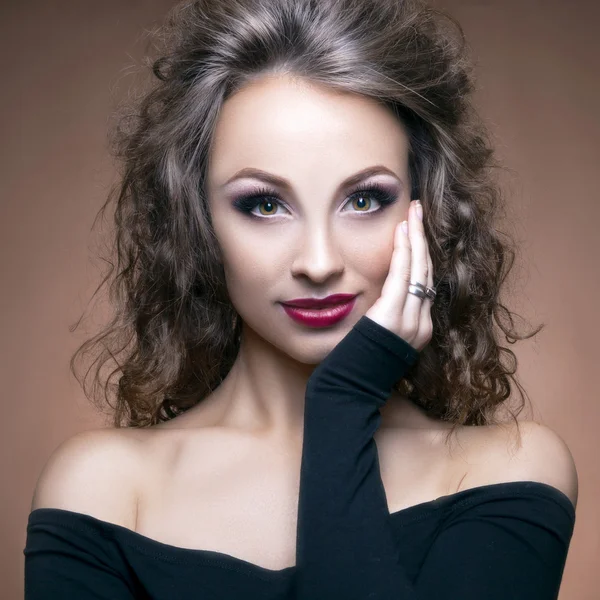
[(320, 303), (323, 316)]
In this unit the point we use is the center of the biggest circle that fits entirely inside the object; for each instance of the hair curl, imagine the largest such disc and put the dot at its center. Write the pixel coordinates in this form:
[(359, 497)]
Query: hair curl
[(174, 322)]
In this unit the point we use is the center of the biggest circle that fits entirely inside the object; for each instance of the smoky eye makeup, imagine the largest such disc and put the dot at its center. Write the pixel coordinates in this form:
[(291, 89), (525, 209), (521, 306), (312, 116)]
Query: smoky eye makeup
[(364, 193)]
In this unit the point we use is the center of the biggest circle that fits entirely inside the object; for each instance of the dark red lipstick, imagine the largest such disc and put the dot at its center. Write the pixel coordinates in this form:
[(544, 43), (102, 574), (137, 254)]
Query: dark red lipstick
[(320, 312)]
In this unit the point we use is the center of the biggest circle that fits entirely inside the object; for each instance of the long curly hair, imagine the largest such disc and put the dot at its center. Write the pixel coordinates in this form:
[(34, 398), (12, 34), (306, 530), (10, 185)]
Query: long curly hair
[(174, 334)]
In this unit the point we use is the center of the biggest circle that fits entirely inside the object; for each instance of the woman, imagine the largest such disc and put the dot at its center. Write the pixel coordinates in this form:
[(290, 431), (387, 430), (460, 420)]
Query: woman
[(302, 336)]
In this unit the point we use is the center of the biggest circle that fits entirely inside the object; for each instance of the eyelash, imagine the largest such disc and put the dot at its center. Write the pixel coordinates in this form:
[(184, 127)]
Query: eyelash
[(246, 204)]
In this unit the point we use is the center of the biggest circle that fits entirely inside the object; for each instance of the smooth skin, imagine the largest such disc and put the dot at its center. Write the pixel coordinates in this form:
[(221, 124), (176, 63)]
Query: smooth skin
[(314, 240), (224, 475), (405, 314)]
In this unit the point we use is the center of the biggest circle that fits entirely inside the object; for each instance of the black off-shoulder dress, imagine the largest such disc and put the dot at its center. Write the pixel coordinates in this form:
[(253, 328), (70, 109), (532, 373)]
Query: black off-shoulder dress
[(494, 542)]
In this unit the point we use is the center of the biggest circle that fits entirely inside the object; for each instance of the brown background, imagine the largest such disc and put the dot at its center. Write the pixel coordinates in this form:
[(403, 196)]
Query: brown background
[(66, 63)]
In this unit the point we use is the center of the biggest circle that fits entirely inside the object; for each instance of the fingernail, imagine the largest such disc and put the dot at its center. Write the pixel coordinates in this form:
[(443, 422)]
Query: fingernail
[(404, 226), (419, 210)]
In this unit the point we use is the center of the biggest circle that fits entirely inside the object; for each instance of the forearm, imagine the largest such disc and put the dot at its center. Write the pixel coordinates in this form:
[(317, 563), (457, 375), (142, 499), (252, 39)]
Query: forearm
[(345, 544)]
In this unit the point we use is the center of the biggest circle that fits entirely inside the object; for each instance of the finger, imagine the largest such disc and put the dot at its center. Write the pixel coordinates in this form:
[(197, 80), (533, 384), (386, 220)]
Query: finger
[(429, 269), (426, 324), (396, 284), (413, 305)]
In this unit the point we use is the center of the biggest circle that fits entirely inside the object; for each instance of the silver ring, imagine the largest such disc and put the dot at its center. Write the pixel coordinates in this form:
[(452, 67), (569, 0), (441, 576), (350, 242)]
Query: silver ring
[(421, 291), (417, 289)]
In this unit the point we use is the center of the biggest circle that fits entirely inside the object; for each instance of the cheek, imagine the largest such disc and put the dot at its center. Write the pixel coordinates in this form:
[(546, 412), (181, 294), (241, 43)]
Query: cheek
[(373, 259), (250, 269), (245, 267)]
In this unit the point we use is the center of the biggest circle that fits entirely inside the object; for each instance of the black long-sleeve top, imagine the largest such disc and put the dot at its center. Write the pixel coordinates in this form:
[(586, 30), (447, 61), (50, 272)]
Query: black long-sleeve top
[(498, 541)]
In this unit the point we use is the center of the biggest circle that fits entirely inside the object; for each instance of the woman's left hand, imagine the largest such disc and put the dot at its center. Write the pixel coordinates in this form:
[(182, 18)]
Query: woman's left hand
[(405, 314)]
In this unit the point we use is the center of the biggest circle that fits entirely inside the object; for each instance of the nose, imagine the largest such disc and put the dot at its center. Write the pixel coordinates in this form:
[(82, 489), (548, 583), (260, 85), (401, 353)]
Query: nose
[(319, 257)]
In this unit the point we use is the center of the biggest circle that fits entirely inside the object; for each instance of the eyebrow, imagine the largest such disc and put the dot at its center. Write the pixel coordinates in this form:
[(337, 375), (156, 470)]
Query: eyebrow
[(250, 172)]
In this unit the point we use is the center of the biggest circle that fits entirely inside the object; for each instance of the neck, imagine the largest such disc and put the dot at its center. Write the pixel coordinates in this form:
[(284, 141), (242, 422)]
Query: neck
[(263, 395)]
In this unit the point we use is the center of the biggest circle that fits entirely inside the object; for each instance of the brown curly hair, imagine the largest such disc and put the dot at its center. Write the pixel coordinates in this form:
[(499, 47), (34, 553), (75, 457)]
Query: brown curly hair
[(174, 324)]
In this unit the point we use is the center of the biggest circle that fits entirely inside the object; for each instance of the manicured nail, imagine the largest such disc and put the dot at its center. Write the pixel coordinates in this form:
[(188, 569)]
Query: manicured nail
[(419, 210), (404, 226)]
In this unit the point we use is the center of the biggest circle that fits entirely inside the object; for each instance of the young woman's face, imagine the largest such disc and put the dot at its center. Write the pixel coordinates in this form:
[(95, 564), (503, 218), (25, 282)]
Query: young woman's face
[(313, 236)]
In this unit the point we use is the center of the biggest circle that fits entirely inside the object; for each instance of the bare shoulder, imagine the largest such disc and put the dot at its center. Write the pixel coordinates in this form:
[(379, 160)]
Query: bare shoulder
[(94, 472), (543, 455)]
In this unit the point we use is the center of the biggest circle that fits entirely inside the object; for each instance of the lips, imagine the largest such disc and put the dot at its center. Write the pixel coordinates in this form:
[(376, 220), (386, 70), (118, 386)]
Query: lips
[(317, 303), (322, 316)]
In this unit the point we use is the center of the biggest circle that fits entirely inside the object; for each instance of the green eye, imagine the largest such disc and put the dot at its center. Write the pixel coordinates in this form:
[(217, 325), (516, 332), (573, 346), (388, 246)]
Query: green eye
[(363, 200), (269, 204), (360, 201)]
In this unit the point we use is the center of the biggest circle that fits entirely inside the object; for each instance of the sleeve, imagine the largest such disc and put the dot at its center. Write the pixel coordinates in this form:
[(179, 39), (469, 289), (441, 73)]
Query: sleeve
[(345, 542), (67, 562), (512, 546)]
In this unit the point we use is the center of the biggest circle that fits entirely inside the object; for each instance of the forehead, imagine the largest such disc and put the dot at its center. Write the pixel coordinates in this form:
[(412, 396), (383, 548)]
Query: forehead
[(297, 129)]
